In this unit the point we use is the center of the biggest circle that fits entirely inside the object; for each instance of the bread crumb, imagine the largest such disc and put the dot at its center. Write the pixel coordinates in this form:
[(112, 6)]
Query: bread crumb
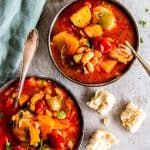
[(106, 121)]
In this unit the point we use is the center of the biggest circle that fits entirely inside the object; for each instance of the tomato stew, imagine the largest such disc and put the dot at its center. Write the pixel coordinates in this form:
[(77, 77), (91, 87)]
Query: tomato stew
[(87, 41), (47, 117)]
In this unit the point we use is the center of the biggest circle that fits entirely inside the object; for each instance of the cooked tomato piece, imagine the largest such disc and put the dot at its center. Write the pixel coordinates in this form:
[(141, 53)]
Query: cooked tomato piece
[(9, 102), (40, 108), (19, 148), (57, 141), (102, 44), (3, 140), (88, 4), (30, 82)]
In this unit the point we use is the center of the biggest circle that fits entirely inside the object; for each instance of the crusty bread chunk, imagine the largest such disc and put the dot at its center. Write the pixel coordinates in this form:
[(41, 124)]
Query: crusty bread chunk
[(101, 140), (102, 101), (132, 117)]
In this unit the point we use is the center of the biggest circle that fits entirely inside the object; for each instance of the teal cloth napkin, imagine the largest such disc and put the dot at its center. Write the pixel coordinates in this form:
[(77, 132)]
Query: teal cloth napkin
[(17, 19)]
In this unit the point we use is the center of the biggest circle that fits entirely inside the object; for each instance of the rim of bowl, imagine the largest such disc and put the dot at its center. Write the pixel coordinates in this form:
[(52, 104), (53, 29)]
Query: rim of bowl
[(15, 79), (129, 15)]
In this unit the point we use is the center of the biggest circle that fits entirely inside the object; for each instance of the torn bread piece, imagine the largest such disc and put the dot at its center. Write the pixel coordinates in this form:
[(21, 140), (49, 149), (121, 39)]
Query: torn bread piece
[(106, 121), (102, 102), (132, 117), (101, 140)]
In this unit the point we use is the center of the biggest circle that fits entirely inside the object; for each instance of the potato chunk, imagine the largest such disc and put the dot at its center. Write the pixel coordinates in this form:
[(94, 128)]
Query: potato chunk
[(23, 99), (34, 135), (46, 125), (108, 65), (93, 31), (54, 103), (36, 97), (82, 17), (67, 40), (104, 17)]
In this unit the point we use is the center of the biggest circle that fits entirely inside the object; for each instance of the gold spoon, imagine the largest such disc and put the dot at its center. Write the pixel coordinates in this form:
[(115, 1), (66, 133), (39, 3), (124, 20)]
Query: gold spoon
[(141, 60), (30, 48)]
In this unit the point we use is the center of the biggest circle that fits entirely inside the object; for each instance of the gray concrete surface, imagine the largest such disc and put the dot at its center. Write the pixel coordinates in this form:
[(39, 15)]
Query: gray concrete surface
[(135, 85)]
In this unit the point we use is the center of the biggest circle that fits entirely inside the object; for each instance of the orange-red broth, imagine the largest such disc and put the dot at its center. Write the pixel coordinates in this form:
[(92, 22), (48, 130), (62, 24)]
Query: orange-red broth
[(69, 128), (124, 31)]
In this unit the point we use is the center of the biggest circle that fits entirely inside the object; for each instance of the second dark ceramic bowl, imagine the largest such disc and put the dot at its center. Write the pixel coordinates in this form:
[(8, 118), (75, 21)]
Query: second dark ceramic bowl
[(7, 84)]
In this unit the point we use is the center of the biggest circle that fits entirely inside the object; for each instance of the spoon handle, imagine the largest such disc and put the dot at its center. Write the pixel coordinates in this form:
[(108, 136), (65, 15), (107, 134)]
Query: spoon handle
[(141, 60), (30, 48)]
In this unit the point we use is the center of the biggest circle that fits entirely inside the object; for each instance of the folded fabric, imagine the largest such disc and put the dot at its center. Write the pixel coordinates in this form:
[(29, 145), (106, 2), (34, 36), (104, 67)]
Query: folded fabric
[(17, 19)]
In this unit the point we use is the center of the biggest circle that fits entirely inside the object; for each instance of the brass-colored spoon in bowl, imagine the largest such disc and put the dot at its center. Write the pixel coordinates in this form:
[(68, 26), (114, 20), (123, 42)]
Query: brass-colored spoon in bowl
[(30, 48), (141, 60)]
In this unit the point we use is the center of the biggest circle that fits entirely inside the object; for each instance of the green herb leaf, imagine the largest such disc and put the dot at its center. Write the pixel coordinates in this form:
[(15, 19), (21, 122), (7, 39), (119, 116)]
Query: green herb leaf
[(141, 40), (77, 58), (142, 23), (61, 115), (41, 143), (45, 147), (146, 10), (8, 145), (1, 115)]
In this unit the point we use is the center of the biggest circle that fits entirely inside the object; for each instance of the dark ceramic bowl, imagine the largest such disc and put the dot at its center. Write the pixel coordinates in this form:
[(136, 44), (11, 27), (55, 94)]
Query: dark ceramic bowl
[(7, 84), (128, 14)]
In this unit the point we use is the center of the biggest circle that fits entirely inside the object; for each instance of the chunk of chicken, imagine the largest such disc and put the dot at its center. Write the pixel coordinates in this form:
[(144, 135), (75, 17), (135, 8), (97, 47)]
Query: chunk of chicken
[(25, 128), (54, 103), (20, 125), (122, 54)]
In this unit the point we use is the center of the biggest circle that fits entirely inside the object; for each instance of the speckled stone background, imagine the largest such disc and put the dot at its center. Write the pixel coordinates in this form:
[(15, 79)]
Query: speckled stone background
[(135, 85)]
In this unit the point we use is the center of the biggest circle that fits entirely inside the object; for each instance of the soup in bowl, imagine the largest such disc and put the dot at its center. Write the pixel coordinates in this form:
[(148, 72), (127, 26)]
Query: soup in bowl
[(48, 117), (86, 41)]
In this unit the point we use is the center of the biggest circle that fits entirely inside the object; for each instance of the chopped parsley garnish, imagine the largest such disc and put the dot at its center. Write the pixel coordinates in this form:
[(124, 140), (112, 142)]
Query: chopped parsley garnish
[(61, 115), (141, 40), (142, 22), (8, 146), (41, 143), (1, 115)]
